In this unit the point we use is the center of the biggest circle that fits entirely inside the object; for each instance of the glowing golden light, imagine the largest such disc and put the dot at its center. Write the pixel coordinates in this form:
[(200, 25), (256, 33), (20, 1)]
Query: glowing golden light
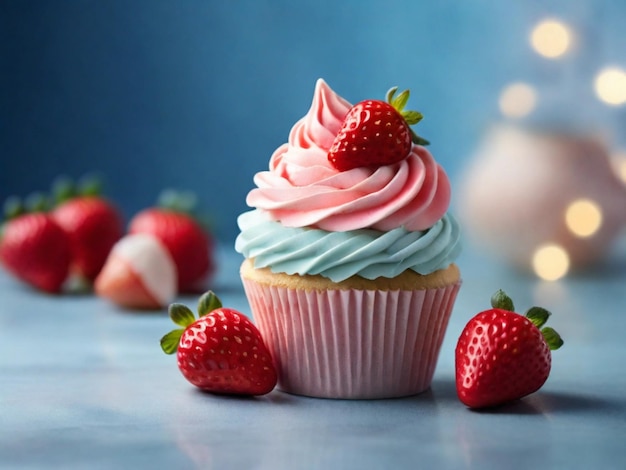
[(551, 38), (610, 86), (550, 262), (518, 100), (583, 217)]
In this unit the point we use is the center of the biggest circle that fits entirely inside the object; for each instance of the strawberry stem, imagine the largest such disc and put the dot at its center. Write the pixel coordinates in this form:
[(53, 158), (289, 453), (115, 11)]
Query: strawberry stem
[(184, 202), (37, 202), (208, 302), (178, 201), (34, 202), (13, 207), (63, 189), (90, 185), (502, 301), (538, 315), (552, 338), (169, 342), (181, 315), (417, 139), (400, 101), (411, 117)]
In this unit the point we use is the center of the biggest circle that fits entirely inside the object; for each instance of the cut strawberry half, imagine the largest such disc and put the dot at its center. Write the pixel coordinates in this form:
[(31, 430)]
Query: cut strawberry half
[(138, 274)]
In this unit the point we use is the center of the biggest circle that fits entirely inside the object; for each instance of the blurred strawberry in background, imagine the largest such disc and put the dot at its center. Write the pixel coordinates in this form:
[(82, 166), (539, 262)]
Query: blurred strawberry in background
[(93, 223), (33, 247), (174, 223), (76, 239)]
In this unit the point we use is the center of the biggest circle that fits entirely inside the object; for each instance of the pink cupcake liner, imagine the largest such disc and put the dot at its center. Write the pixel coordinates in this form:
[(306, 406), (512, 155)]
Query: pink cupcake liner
[(353, 344)]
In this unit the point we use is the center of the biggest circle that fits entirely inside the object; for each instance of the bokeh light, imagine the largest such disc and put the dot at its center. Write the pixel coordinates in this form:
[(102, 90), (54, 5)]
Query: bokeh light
[(517, 100), (551, 38), (583, 217), (550, 262), (610, 86)]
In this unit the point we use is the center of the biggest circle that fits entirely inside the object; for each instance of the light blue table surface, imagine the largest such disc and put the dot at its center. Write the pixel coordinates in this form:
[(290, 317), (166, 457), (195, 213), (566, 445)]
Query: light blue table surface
[(85, 385)]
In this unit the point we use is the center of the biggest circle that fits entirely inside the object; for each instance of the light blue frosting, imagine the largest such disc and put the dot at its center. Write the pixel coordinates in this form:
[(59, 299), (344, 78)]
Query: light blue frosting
[(340, 255)]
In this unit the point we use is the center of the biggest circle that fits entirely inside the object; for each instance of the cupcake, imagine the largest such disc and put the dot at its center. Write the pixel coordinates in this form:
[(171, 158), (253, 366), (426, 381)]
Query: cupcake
[(349, 252)]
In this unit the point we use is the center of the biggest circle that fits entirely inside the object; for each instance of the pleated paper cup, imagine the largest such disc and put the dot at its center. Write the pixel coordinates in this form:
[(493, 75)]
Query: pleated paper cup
[(350, 343)]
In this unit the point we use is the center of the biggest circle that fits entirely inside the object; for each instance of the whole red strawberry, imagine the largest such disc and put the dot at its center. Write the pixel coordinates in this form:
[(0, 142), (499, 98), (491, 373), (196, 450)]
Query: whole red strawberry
[(189, 243), (502, 356), (35, 249), (222, 351), (375, 133), (94, 225)]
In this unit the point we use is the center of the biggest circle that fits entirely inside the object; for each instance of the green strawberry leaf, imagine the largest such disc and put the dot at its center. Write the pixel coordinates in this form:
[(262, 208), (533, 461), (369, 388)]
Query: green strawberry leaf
[(37, 202), (553, 339), (181, 315), (185, 202), (418, 140), (63, 189), (412, 117), (13, 207), (208, 302), (169, 342), (90, 185), (538, 316), (502, 301), (400, 101), (178, 201), (390, 94)]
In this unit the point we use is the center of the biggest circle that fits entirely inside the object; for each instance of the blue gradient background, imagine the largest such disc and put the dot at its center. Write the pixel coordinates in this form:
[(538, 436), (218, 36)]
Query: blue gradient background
[(196, 95)]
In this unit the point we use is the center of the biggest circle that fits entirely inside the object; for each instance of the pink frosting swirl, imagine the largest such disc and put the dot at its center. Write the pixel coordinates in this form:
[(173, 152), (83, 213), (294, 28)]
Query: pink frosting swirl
[(302, 188)]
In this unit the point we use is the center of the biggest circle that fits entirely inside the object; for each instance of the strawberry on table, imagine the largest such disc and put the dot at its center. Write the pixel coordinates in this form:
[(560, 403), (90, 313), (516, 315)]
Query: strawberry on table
[(502, 356), (35, 249), (139, 274), (375, 133), (93, 223), (220, 352), (189, 243)]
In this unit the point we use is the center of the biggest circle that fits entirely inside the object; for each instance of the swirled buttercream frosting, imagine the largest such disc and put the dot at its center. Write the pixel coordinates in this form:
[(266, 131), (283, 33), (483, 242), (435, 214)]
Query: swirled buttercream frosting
[(302, 188), (368, 253)]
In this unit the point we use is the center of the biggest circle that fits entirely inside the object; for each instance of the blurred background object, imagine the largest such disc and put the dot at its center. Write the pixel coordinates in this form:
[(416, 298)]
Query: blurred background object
[(542, 200), (197, 94)]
